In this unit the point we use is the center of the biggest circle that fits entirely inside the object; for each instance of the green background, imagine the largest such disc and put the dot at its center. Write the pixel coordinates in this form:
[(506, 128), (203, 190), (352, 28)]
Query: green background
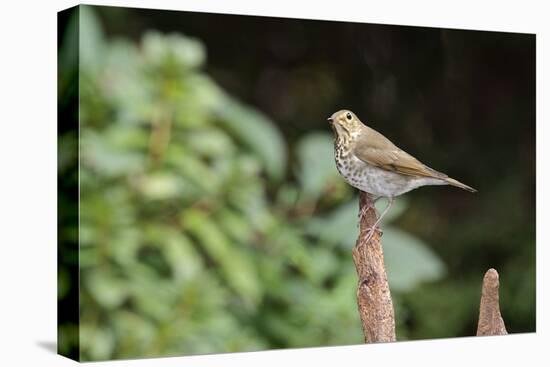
[(212, 216)]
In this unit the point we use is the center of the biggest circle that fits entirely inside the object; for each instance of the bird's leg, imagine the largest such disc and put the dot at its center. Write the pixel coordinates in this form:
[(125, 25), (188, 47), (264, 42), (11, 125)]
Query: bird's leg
[(364, 211), (374, 227)]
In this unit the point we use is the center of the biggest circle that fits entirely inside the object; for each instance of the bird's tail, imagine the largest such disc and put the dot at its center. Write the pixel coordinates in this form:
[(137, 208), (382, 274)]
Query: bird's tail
[(456, 183)]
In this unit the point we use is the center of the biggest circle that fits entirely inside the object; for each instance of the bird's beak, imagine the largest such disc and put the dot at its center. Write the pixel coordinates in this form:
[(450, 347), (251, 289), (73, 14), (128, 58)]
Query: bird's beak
[(332, 125)]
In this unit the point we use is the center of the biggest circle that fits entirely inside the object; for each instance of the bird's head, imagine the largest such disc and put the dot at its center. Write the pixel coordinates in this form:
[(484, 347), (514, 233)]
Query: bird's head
[(344, 123)]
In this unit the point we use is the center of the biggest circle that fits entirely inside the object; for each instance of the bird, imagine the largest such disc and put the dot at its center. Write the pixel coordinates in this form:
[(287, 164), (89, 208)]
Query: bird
[(370, 162)]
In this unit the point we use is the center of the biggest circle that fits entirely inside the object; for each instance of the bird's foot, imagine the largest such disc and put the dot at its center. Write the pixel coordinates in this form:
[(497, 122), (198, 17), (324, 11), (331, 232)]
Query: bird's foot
[(364, 210), (370, 233)]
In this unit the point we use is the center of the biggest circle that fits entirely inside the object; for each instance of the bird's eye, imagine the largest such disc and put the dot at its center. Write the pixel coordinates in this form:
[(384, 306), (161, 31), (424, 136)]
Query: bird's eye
[(348, 116)]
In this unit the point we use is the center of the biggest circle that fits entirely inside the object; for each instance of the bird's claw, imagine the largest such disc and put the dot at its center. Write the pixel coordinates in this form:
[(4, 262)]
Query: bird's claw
[(370, 233), (364, 210)]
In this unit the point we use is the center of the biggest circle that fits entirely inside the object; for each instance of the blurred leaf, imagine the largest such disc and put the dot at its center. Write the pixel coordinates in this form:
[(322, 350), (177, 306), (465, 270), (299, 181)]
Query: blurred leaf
[(208, 94), (189, 50), (146, 288), (210, 143), (91, 40), (126, 86), (258, 133), (178, 251), (186, 51), (107, 289), (316, 169), (134, 333), (324, 264), (235, 225), (409, 261), (338, 227), (198, 173), (236, 266), (88, 257), (98, 342), (160, 186), (128, 241), (106, 159)]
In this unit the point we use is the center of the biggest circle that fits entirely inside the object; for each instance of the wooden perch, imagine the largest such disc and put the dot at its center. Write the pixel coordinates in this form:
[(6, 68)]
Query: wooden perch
[(490, 321), (373, 293)]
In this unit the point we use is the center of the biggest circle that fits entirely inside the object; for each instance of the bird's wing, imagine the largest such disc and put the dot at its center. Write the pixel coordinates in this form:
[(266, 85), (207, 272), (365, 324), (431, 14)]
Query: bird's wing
[(375, 149)]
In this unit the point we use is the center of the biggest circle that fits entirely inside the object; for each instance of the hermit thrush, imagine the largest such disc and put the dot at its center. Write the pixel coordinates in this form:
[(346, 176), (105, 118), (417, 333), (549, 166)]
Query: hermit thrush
[(372, 163)]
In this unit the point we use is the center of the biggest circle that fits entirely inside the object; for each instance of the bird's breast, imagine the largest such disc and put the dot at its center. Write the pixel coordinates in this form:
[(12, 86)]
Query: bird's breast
[(374, 180)]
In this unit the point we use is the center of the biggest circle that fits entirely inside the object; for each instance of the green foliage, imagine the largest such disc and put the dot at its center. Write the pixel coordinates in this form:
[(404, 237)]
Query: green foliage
[(195, 235)]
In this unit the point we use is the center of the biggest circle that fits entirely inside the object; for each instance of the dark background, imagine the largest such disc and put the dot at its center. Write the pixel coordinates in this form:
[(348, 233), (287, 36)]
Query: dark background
[(410, 81)]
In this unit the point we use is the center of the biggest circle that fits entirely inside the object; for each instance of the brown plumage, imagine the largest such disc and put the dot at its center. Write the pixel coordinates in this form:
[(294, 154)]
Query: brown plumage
[(375, 149)]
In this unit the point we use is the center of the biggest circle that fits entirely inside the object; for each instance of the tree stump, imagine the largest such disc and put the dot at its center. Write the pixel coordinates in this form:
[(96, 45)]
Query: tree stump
[(490, 321), (373, 292)]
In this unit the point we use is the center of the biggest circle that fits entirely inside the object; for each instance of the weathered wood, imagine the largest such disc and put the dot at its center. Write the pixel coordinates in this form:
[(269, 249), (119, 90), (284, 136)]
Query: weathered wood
[(490, 321), (373, 292)]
